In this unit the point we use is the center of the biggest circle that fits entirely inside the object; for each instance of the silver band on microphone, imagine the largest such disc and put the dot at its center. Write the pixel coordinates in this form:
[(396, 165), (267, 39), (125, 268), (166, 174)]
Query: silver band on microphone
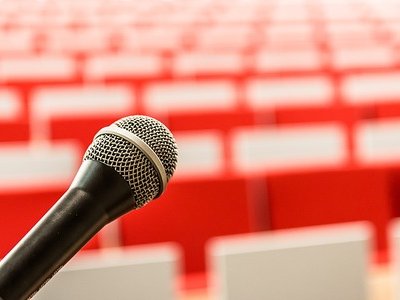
[(139, 143)]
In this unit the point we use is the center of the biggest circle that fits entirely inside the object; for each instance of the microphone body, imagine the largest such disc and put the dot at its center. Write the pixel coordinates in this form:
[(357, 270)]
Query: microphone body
[(127, 165), (97, 195)]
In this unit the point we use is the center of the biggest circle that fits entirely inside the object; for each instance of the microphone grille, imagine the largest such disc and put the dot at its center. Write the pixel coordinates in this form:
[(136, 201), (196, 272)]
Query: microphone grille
[(130, 161)]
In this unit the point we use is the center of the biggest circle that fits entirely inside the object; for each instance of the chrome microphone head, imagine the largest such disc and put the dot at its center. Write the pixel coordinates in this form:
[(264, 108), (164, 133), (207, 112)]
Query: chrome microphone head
[(142, 150)]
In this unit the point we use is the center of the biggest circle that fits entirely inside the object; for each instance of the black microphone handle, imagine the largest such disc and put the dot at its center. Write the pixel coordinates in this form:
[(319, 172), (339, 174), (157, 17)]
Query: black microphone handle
[(97, 196)]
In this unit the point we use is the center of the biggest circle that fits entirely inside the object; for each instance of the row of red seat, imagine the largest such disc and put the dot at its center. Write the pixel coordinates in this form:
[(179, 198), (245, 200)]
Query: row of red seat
[(262, 203), (206, 104), (358, 134), (172, 95), (192, 212), (99, 65), (158, 11), (174, 41), (231, 77)]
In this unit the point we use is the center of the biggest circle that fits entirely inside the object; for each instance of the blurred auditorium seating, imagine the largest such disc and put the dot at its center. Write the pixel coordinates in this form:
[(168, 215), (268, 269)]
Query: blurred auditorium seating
[(286, 112)]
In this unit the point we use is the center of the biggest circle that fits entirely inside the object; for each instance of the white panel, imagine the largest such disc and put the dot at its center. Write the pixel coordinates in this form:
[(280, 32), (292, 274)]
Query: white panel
[(77, 101), (363, 57), (90, 100), (63, 18), (393, 26), (224, 37), (146, 272), (16, 41), (177, 19), (288, 60), (349, 30), (122, 65), (289, 32), (337, 43), (26, 166), (10, 104), (300, 91), (378, 141), (290, 14), (190, 96), (343, 14), (239, 14), (27, 19), (38, 68), (157, 38), (209, 63), (265, 149), (387, 13), (79, 40), (325, 262), (200, 154), (370, 88)]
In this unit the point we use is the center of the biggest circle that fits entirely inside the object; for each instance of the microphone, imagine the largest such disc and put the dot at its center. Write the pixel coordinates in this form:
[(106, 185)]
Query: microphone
[(127, 165)]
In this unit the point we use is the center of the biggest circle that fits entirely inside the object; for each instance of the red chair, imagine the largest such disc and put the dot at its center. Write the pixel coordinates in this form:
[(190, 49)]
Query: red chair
[(190, 213), (323, 197)]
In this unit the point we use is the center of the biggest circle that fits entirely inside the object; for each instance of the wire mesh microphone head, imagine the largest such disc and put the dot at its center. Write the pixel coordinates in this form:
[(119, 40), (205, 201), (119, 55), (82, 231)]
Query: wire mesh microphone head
[(131, 161)]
